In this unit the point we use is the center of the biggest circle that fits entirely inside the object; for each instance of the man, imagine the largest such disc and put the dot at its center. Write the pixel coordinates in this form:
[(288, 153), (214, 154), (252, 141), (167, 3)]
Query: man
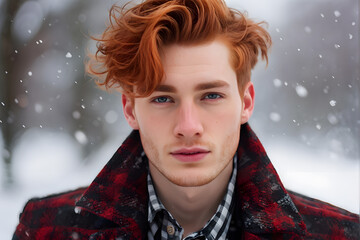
[(192, 168)]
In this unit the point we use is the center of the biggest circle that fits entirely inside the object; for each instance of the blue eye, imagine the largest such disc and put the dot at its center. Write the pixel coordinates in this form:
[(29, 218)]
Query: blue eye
[(212, 96), (161, 100)]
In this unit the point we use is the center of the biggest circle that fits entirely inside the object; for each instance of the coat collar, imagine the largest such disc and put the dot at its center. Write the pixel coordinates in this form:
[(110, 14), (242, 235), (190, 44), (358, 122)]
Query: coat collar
[(119, 192), (263, 206)]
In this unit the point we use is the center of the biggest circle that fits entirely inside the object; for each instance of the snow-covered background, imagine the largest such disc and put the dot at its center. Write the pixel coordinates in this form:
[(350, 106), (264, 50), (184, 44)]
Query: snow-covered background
[(59, 130)]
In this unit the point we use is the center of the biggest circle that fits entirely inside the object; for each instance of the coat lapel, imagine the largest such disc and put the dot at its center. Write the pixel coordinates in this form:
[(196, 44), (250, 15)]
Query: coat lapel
[(262, 204), (119, 193)]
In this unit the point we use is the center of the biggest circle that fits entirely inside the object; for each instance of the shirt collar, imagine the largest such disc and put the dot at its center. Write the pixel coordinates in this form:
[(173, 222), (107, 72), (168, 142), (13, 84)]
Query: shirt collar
[(159, 218)]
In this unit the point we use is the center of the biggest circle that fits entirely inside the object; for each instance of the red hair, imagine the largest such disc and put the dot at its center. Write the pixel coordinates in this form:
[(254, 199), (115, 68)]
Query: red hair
[(128, 51)]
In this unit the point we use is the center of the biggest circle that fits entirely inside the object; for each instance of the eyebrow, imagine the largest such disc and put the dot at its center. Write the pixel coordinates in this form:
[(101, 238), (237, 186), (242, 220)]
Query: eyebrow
[(210, 85), (165, 88), (199, 87)]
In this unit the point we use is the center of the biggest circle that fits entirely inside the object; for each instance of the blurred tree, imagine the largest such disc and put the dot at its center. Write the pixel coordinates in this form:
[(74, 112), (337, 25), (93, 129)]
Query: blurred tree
[(8, 87), (42, 76)]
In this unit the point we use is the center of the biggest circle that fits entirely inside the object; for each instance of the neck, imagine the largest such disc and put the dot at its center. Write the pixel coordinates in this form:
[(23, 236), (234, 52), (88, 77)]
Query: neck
[(192, 207)]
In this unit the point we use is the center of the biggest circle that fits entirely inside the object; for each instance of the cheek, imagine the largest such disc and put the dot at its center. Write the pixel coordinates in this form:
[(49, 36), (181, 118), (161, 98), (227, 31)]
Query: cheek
[(230, 132), (227, 127), (153, 124), (148, 121), (228, 118)]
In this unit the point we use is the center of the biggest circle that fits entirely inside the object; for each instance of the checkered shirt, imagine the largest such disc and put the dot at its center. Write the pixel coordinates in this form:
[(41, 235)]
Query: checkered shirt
[(164, 226)]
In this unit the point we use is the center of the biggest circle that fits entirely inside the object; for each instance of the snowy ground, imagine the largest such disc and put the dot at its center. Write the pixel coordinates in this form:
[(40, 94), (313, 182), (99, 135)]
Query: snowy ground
[(49, 168), (313, 174)]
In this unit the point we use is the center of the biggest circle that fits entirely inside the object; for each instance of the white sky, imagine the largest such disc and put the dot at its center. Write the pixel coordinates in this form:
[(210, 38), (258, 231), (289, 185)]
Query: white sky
[(270, 11)]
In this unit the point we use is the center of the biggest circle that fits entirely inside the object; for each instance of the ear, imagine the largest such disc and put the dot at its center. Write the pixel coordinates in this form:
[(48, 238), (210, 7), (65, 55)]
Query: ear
[(248, 102), (129, 111)]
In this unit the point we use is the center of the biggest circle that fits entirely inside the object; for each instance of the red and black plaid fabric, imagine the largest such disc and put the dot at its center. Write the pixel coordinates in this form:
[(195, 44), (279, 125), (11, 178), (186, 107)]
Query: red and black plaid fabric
[(115, 205)]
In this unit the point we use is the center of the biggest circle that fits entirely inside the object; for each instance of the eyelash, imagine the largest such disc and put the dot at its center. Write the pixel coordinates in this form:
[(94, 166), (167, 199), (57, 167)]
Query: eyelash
[(218, 96), (156, 99), (169, 99)]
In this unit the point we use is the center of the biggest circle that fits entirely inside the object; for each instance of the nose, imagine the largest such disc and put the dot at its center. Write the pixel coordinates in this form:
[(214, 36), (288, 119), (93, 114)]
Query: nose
[(188, 122)]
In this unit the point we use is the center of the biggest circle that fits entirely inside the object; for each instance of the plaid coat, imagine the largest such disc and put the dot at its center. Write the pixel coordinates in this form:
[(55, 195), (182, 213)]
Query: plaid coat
[(115, 205)]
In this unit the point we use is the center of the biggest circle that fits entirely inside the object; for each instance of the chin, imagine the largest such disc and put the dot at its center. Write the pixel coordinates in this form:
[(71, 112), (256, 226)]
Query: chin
[(190, 181)]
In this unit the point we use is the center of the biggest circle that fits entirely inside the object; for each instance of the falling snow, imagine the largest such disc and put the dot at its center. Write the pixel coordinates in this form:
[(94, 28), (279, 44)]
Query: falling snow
[(76, 115), (332, 119), (38, 108), (326, 115), (277, 82), (111, 117), (326, 90), (307, 29), (337, 13), (81, 137), (275, 117), (301, 91), (77, 210)]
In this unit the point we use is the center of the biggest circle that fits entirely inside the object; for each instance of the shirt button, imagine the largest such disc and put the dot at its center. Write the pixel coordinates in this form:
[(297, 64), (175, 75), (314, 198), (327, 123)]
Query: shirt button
[(170, 230)]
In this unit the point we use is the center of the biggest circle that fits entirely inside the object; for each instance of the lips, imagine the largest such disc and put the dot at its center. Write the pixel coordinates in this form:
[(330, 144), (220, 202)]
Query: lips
[(190, 154)]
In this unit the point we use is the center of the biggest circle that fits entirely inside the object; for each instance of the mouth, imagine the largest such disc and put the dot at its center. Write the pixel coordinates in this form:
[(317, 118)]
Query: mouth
[(190, 154)]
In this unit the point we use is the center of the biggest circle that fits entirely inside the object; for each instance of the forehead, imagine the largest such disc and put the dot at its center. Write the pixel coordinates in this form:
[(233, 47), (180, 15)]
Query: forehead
[(196, 63), (195, 54)]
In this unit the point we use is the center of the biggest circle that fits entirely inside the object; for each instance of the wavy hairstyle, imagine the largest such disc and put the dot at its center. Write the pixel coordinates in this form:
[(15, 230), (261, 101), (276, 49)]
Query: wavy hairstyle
[(128, 52)]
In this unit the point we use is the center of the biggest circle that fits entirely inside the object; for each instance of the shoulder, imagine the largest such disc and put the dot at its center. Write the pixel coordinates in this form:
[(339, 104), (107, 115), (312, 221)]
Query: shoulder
[(324, 220), (53, 201), (50, 207), (56, 217)]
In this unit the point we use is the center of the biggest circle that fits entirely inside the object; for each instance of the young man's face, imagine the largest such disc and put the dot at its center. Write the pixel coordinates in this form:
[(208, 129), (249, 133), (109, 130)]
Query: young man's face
[(190, 125)]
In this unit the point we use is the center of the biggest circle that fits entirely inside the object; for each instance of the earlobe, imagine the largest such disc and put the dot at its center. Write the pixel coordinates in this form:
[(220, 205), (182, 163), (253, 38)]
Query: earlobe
[(129, 111), (248, 102)]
